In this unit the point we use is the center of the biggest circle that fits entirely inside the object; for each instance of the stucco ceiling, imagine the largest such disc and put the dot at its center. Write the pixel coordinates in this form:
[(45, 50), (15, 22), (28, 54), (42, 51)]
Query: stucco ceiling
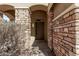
[(11, 6), (8, 8), (38, 7), (24, 5)]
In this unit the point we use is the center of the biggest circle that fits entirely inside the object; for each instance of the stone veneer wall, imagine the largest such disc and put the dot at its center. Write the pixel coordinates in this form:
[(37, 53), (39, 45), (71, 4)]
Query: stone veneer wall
[(22, 17), (66, 33), (49, 29), (64, 39)]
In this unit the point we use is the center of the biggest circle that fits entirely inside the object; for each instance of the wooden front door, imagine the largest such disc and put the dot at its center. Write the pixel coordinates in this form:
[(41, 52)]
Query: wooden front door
[(39, 29)]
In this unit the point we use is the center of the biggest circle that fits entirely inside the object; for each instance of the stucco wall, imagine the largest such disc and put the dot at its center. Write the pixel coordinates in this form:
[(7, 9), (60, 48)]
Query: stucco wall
[(60, 7)]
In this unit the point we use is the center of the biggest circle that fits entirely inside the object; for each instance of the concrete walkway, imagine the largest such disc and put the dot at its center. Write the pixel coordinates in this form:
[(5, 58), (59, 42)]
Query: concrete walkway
[(43, 47), (39, 48)]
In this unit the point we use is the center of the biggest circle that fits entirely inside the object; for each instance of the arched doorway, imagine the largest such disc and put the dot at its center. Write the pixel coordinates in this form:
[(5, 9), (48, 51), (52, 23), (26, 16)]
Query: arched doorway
[(39, 28), (39, 22), (7, 13), (7, 17)]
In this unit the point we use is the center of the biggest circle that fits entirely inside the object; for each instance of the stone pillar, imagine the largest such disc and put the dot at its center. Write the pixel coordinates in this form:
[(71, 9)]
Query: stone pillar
[(22, 18)]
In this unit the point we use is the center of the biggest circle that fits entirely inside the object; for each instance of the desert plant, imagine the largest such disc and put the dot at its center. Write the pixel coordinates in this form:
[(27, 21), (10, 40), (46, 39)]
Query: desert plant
[(9, 39)]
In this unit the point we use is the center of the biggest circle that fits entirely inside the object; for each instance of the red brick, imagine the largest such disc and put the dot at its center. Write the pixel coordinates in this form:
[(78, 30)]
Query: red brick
[(73, 24), (66, 15), (72, 12), (67, 39), (73, 17), (77, 16), (71, 53), (65, 34), (71, 28), (62, 51), (71, 35), (65, 29)]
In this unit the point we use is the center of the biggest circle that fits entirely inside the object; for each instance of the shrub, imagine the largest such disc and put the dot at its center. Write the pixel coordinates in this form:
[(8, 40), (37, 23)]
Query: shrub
[(9, 35)]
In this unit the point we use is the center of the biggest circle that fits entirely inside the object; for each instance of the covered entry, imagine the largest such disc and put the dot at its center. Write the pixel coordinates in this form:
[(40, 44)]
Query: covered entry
[(39, 29), (39, 22)]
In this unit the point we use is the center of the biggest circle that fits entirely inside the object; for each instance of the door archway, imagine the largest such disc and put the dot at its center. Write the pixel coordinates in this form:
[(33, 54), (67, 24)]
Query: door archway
[(39, 22), (7, 11)]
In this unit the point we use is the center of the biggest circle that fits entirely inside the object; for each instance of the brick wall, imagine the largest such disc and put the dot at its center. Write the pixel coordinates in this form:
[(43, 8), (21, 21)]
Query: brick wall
[(64, 34), (50, 41)]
